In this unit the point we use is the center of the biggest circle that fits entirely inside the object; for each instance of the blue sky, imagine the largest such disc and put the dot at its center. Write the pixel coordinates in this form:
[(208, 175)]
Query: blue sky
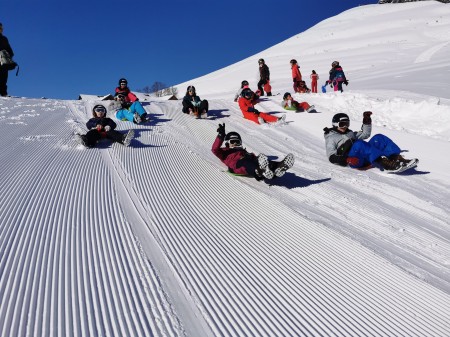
[(65, 48)]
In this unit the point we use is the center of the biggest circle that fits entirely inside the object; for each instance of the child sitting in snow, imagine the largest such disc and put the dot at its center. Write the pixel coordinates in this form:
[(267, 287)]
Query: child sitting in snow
[(130, 111), (123, 90), (346, 147), (241, 162), (247, 105), (101, 127), (192, 104), (290, 104)]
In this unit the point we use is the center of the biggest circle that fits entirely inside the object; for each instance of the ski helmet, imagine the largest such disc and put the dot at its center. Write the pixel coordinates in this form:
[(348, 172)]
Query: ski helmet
[(261, 61), (340, 120), (286, 95), (123, 81), (334, 64), (247, 93), (293, 61), (233, 139), (244, 83), (191, 88), (98, 109)]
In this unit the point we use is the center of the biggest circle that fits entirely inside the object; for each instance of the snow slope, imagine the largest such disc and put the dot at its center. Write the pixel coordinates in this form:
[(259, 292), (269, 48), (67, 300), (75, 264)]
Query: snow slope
[(157, 240)]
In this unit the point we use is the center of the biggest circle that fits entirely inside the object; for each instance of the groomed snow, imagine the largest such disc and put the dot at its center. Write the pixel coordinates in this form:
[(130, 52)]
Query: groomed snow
[(158, 240)]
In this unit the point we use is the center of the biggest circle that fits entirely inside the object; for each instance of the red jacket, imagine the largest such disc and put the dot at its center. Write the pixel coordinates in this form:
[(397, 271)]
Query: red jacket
[(296, 74), (314, 78)]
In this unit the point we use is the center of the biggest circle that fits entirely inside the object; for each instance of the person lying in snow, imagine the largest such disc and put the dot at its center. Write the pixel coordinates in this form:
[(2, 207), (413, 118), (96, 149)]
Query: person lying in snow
[(192, 104), (125, 91), (241, 162), (346, 147), (130, 111), (247, 105), (291, 104), (101, 127)]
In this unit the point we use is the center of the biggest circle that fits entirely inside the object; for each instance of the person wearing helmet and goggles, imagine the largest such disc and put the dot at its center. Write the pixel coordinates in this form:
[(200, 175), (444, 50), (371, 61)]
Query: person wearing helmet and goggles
[(247, 106), (346, 147), (101, 127), (123, 90), (241, 162)]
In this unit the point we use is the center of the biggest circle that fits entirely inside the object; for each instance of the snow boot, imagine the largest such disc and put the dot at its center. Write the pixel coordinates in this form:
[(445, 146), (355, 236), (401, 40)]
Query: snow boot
[(284, 165), (128, 137), (263, 161), (400, 158), (263, 166), (137, 119), (311, 109), (145, 117), (389, 164), (281, 120)]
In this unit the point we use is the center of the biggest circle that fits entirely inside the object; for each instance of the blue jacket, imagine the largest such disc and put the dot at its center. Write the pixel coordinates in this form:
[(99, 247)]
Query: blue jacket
[(337, 74)]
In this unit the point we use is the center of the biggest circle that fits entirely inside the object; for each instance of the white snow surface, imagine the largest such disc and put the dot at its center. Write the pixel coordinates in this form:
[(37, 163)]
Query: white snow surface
[(158, 240)]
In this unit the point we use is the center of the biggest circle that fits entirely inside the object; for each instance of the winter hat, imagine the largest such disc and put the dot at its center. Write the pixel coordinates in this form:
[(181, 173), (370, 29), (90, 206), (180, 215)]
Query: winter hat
[(261, 61), (191, 88), (123, 80), (293, 61), (244, 83), (286, 95)]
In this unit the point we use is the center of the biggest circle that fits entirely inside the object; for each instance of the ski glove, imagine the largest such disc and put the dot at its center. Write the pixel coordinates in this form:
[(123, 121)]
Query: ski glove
[(346, 82), (107, 128), (366, 117), (221, 131), (255, 111)]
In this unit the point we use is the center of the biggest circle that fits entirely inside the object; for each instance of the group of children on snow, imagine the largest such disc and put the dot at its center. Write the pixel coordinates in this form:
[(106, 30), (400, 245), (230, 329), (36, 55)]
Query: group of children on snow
[(343, 146)]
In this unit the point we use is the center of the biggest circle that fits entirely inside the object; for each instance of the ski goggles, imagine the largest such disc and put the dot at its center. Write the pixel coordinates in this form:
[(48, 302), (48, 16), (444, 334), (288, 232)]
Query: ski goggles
[(100, 109), (343, 124), (235, 142)]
